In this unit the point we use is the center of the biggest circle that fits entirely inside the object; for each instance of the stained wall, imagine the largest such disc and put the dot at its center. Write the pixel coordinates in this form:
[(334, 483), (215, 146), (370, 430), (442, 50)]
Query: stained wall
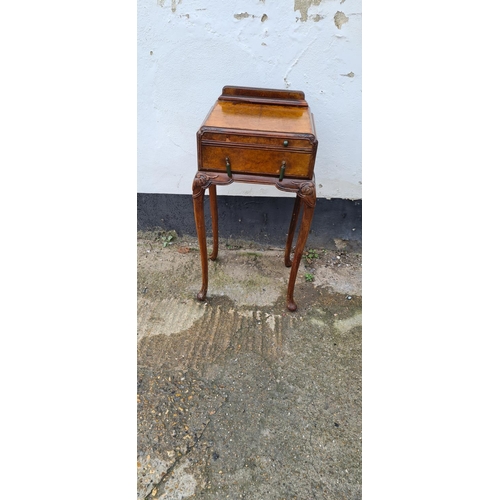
[(189, 49)]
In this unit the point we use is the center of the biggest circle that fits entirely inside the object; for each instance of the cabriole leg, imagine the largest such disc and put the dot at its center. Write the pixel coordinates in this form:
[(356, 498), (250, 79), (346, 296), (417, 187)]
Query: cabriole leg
[(212, 189), (307, 192), (199, 218), (291, 230)]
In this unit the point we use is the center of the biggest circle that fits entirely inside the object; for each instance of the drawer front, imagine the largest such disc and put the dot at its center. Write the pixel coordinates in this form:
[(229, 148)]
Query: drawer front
[(259, 141), (247, 160)]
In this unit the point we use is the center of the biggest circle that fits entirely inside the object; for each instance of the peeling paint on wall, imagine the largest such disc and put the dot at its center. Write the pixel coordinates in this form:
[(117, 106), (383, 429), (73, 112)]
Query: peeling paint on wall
[(340, 18), (242, 15), (174, 4), (303, 7), (350, 74), (317, 18)]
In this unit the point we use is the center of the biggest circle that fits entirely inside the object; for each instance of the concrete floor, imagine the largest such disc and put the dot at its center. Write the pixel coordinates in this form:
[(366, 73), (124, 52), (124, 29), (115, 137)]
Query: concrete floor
[(237, 396)]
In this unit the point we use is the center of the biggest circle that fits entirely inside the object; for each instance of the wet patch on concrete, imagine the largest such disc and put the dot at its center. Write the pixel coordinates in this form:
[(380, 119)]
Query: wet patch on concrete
[(166, 316), (221, 327), (229, 276)]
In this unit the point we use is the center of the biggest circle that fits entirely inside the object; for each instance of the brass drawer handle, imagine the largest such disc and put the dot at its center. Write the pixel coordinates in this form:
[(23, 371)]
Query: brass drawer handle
[(282, 170), (228, 167)]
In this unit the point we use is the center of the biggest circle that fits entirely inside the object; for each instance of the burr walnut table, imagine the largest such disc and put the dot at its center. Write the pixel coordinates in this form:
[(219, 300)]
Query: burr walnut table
[(257, 136)]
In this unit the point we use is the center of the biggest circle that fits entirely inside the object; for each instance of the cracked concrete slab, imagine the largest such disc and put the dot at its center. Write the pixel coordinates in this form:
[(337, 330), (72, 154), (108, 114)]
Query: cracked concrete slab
[(237, 396)]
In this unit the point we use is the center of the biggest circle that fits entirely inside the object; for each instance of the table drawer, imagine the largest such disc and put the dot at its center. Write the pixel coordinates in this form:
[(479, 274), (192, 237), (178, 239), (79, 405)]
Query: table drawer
[(258, 140), (246, 159)]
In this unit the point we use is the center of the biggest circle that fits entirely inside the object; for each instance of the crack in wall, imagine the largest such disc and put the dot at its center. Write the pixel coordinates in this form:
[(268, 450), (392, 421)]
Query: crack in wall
[(285, 78)]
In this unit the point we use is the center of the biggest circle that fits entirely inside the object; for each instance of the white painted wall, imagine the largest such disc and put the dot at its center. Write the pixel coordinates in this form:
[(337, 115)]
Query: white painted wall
[(189, 49)]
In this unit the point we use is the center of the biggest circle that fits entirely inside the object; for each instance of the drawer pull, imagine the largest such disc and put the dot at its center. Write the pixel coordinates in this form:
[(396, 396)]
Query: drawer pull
[(285, 143), (282, 170), (228, 167)]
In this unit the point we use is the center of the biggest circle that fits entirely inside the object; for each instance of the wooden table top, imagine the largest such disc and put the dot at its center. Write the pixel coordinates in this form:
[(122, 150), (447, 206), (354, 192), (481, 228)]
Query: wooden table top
[(260, 117)]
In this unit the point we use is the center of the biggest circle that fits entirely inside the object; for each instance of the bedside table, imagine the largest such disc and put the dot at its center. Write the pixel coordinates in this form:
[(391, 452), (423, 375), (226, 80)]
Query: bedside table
[(257, 136)]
